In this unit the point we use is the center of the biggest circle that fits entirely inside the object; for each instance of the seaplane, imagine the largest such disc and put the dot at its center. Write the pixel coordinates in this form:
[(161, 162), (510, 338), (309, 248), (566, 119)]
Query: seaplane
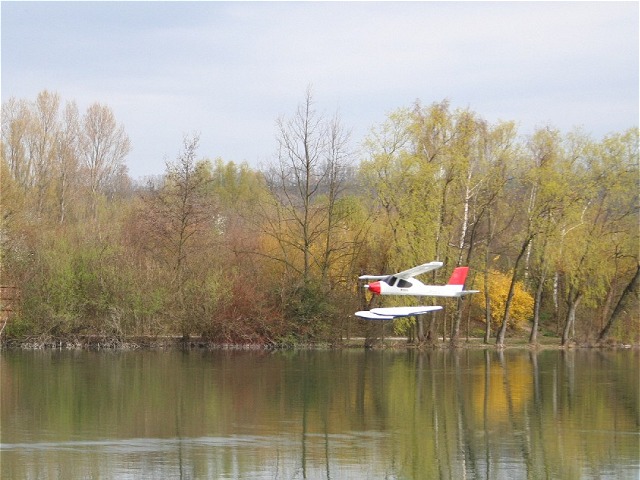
[(404, 283)]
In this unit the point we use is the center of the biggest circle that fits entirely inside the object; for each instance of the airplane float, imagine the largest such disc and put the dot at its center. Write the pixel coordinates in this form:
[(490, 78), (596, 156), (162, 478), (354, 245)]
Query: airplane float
[(404, 283)]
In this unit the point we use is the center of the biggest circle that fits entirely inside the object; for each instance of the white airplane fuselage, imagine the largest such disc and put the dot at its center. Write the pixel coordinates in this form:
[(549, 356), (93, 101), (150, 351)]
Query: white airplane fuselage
[(395, 286)]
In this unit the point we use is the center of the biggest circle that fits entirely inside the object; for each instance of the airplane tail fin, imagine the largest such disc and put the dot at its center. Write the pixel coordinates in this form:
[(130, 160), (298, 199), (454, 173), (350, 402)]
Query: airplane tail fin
[(458, 277)]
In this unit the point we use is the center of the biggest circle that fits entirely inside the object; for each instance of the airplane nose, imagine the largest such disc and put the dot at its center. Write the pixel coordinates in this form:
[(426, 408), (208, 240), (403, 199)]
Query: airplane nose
[(374, 287)]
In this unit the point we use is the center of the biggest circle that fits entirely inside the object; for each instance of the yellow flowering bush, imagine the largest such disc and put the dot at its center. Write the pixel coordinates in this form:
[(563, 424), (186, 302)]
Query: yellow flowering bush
[(521, 306)]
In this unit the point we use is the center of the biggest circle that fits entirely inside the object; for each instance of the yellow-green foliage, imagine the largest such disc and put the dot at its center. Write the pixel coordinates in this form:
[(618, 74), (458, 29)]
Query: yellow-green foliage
[(521, 309), (262, 255)]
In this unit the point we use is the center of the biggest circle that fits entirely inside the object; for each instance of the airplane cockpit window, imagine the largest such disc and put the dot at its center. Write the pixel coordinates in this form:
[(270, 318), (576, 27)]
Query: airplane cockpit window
[(394, 281)]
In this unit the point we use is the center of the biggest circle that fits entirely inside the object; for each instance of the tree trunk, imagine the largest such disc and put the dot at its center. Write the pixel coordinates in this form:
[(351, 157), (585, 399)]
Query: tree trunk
[(621, 306), (606, 308), (487, 297), (487, 309), (571, 318), (431, 330), (507, 307), (556, 303), (455, 331), (465, 217), (533, 337), (420, 327), (458, 319)]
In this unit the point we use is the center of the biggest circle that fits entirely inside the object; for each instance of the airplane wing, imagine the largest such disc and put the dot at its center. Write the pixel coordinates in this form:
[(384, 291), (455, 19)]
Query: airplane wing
[(389, 313), (424, 268), (412, 272), (367, 315)]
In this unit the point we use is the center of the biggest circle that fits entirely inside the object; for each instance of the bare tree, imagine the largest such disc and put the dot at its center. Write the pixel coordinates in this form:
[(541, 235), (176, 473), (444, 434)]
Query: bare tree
[(105, 146), (179, 221), (305, 221), (15, 130), (66, 158), (306, 184), (42, 142)]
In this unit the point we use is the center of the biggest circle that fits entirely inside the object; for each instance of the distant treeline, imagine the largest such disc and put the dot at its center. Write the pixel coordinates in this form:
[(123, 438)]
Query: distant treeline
[(548, 223)]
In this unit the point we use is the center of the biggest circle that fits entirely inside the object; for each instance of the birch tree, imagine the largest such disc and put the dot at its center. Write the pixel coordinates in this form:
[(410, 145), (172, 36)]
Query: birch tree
[(483, 193)]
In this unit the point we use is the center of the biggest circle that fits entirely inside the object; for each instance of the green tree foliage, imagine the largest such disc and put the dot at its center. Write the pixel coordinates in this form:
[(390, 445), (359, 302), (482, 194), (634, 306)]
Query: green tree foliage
[(604, 243), (272, 256), (435, 174)]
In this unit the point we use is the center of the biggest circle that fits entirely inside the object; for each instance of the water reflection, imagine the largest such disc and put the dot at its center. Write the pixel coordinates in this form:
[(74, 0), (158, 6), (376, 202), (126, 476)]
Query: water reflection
[(328, 414)]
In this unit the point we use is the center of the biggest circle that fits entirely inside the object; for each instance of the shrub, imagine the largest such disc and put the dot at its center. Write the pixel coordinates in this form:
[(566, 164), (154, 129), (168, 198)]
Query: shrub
[(521, 306)]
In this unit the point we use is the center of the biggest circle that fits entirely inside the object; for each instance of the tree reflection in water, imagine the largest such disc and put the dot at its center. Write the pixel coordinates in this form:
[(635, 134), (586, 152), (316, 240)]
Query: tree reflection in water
[(320, 414)]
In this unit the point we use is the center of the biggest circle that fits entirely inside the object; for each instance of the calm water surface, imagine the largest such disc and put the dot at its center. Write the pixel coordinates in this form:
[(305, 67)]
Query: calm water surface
[(320, 414)]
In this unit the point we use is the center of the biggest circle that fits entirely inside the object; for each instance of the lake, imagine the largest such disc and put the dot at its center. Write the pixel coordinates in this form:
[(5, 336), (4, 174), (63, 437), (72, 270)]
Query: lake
[(320, 414)]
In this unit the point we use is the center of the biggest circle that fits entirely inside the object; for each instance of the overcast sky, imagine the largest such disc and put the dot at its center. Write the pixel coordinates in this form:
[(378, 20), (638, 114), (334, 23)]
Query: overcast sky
[(229, 70)]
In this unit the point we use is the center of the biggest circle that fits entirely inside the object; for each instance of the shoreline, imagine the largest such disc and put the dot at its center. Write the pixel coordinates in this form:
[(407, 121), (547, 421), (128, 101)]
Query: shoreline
[(98, 343)]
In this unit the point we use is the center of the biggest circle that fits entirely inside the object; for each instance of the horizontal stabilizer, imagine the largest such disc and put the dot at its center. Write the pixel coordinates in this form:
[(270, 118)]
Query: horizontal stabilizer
[(372, 277), (469, 292)]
